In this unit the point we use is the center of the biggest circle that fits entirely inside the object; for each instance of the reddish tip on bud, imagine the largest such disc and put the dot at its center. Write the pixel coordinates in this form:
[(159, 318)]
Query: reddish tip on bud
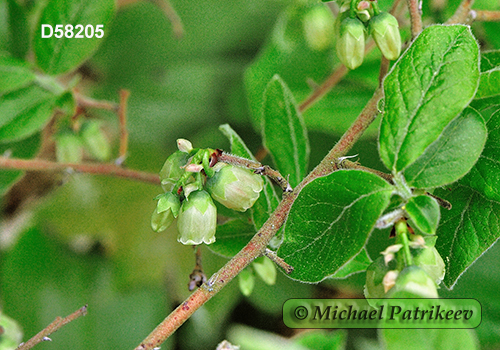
[(184, 145)]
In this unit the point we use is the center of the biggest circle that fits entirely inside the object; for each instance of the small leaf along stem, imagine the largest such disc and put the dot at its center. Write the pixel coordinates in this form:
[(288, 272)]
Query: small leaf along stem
[(59, 322)]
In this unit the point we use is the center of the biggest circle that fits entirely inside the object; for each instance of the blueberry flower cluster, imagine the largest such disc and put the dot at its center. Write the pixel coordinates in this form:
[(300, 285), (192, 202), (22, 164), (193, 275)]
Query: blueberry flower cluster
[(192, 179), (391, 275), (357, 18)]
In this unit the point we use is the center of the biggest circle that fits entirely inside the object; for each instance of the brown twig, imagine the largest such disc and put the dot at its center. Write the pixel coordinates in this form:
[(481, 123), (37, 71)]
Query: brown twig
[(347, 164), (324, 88), (384, 68), (415, 17), (89, 168), (265, 170), (278, 261), (173, 17), (442, 202), (330, 82), (487, 16), (350, 137), (51, 328), (122, 118), (258, 243), (462, 12), (87, 102)]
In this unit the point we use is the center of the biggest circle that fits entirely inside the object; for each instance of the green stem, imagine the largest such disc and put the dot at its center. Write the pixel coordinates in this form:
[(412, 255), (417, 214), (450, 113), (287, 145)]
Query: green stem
[(402, 238), (376, 9)]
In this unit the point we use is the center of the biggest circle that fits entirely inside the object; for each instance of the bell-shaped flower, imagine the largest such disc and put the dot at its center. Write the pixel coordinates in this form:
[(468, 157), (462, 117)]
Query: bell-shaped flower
[(384, 29), (234, 187), (197, 219), (429, 260), (414, 282), (165, 212)]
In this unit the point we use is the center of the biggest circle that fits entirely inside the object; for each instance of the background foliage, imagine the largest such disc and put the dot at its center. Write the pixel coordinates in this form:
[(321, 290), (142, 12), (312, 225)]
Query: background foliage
[(89, 241)]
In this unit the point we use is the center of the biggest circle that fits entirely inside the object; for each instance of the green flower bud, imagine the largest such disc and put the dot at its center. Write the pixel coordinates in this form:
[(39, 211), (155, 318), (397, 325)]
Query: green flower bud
[(197, 219), (429, 260), (166, 211), (246, 282), (69, 148), (234, 187), (350, 40), (384, 29), (95, 141), (266, 270), (414, 282), (171, 170)]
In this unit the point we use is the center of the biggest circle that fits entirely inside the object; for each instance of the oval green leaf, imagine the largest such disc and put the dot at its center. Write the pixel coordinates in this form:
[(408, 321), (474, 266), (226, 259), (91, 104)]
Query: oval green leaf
[(330, 222), (424, 213), (425, 90), (285, 134), (14, 74), (60, 55), (231, 237), (467, 230), (485, 175), (24, 112), (452, 155), (268, 199)]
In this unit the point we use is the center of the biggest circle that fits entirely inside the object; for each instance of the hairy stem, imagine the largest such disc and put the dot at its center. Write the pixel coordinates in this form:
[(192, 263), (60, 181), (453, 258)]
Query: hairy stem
[(462, 12), (487, 16), (415, 17)]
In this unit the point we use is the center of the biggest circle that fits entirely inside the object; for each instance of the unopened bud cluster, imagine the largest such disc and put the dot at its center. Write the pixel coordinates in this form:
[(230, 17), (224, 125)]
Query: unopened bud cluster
[(390, 276), (355, 21), (192, 179)]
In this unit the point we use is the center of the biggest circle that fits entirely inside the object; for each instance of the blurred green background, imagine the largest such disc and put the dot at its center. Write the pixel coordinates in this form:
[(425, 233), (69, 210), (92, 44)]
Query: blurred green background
[(89, 241)]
